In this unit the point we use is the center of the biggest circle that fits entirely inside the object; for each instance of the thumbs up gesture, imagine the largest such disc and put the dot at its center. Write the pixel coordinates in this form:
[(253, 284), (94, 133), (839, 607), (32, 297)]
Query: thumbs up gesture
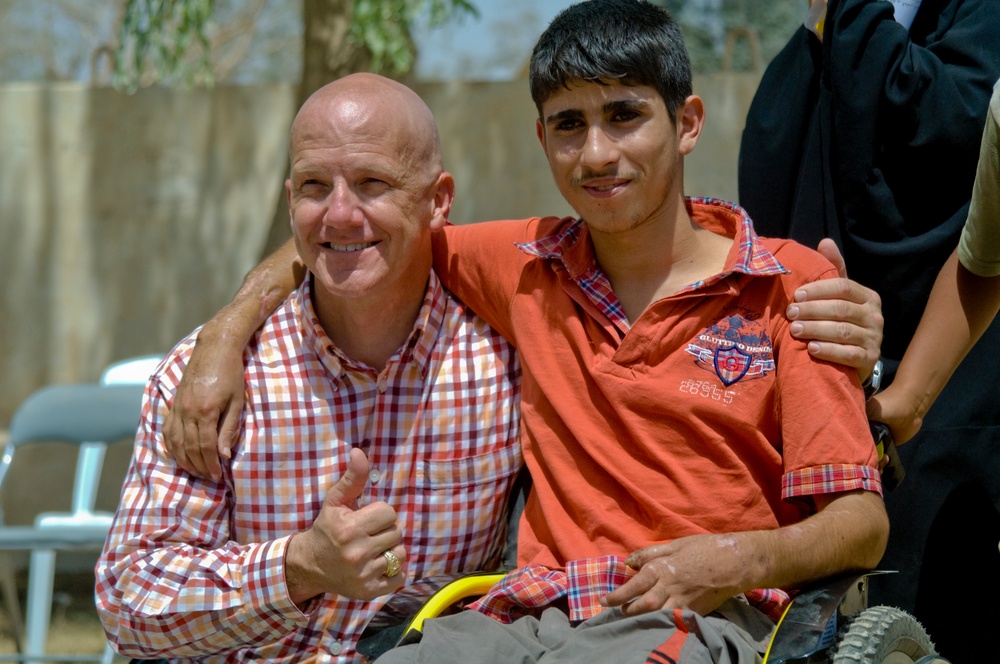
[(349, 551)]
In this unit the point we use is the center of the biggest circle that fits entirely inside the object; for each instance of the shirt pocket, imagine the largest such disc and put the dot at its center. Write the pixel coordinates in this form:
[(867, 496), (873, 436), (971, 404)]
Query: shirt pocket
[(488, 468), (461, 524)]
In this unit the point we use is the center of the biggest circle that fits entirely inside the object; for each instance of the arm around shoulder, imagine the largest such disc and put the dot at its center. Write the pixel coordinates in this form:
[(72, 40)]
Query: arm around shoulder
[(206, 407)]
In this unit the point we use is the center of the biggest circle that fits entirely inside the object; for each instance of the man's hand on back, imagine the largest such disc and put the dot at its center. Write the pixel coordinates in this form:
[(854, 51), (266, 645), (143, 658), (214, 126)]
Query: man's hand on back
[(202, 421), (841, 319)]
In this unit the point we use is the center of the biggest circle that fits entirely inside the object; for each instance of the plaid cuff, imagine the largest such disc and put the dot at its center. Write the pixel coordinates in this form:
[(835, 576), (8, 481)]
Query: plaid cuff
[(830, 478), (591, 579)]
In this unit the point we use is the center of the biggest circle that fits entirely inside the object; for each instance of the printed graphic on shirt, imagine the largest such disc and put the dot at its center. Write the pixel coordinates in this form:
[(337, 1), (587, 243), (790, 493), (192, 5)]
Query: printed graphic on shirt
[(734, 348)]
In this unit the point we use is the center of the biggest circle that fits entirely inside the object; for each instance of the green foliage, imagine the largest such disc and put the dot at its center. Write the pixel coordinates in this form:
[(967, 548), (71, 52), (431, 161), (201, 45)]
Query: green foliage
[(167, 41), (383, 27), (164, 40)]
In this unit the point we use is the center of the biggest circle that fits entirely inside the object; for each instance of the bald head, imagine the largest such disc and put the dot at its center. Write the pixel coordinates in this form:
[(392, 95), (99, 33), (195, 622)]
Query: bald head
[(372, 106)]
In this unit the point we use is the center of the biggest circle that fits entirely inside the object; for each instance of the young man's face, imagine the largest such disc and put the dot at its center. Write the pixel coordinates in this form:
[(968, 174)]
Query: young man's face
[(614, 152)]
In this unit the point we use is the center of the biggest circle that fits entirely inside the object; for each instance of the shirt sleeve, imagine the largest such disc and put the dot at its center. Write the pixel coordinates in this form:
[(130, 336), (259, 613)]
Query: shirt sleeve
[(826, 443), (481, 265), (979, 248), (169, 581)]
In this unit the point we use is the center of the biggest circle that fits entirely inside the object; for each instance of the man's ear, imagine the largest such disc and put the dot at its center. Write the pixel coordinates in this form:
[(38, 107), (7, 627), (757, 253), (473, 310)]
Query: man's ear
[(444, 196), (288, 199), (690, 120), (540, 131)]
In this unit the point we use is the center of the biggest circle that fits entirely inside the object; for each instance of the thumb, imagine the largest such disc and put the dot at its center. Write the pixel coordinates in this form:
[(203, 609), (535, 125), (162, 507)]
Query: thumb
[(831, 252), (347, 489)]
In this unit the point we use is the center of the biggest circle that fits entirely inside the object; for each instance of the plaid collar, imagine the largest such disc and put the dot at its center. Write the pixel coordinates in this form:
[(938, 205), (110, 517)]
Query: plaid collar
[(572, 243), (571, 246), (417, 348)]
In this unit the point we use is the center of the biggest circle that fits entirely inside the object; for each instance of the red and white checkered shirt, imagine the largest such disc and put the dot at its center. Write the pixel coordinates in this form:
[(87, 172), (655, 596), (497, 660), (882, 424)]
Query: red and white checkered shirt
[(194, 568)]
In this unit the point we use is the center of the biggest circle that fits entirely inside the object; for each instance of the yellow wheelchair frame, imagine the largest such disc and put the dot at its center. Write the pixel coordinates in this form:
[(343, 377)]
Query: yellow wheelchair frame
[(828, 622)]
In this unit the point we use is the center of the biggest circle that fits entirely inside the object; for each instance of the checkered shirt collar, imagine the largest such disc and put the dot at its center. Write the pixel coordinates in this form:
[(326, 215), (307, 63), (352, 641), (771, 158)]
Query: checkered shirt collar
[(417, 348)]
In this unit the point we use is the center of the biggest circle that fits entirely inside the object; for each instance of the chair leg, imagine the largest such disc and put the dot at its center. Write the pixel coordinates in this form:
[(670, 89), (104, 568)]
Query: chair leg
[(11, 602), (109, 654), (40, 577)]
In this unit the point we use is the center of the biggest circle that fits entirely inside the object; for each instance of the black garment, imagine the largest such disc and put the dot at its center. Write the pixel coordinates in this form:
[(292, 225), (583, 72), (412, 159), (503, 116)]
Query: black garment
[(872, 138)]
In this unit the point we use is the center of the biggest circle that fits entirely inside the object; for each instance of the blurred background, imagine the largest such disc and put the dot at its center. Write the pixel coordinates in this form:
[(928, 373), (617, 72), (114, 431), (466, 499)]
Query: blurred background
[(142, 155)]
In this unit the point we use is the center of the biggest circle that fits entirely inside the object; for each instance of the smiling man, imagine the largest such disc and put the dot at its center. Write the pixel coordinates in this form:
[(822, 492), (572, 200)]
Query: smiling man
[(371, 373), (691, 461)]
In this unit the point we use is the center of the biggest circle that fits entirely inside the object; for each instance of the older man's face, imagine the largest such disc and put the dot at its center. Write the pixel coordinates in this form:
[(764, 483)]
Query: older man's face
[(361, 206)]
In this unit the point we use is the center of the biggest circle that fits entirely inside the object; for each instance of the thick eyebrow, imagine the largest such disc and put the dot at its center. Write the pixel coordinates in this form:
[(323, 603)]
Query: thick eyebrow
[(625, 105), (609, 108), (568, 114)]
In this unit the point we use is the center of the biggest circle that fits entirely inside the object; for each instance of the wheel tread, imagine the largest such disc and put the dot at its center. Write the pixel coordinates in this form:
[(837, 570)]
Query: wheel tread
[(872, 635)]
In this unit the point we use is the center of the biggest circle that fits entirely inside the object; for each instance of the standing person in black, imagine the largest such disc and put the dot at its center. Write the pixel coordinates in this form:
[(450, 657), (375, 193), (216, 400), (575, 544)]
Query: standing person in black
[(870, 136)]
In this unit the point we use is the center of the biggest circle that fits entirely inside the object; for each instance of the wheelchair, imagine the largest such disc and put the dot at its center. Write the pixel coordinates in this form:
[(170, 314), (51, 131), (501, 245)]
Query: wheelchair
[(827, 622)]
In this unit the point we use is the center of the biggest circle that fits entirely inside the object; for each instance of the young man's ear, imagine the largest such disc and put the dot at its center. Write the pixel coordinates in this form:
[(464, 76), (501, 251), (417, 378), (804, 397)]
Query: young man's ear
[(444, 196), (540, 131), (690, 120)]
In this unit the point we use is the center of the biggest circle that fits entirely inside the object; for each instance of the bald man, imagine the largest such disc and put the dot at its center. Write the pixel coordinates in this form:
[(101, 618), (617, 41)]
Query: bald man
[(377, 444)]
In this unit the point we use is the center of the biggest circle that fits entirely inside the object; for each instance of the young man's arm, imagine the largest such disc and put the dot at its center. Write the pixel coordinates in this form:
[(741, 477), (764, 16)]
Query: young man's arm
[(700, 572), (960, 308), (964, 301), (207, 405), (843, 318)]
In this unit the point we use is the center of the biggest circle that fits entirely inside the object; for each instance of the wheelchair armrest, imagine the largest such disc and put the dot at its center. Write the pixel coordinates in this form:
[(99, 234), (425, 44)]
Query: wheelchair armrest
[(810, 622)]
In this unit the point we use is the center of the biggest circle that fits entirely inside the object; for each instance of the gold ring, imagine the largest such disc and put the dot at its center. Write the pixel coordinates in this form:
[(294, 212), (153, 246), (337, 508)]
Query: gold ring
[(392, 565)]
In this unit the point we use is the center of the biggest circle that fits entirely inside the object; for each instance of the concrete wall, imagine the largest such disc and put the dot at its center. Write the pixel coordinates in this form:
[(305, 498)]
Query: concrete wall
[(125, 221)]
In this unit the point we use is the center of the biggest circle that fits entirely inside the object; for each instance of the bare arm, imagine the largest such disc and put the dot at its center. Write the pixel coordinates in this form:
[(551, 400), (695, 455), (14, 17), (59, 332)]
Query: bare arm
[(700, 572), (841, 319), (960, 308), (206, 408)]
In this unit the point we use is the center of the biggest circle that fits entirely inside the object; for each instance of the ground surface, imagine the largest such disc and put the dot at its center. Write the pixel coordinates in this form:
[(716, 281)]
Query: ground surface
[(75, 627)]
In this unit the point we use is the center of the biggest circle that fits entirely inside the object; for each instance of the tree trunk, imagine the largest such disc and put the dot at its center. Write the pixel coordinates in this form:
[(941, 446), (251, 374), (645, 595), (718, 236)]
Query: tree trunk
[(327, 54)]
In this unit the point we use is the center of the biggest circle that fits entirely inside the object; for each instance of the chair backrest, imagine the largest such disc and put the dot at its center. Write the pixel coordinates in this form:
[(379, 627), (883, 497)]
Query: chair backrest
[(81, 414), (90, 461), (135, 370)]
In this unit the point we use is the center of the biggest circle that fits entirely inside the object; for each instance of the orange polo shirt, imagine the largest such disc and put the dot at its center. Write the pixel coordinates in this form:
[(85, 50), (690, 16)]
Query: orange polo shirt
[(703, 416)]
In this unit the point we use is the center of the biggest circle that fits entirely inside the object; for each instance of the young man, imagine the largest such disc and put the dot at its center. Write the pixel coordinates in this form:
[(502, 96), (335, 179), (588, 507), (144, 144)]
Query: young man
[(689, 458), (370, 372)]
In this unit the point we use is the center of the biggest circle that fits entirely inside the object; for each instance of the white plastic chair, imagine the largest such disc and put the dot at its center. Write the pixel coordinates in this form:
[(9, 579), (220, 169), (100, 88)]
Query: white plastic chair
[(82, 527)]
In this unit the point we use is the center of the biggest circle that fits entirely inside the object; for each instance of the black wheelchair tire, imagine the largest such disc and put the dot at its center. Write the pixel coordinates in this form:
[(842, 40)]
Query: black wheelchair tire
[(882, 635)]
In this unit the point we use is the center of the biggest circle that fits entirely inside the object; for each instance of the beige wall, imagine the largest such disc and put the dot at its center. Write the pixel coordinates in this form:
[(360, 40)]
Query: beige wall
[(125, 221)]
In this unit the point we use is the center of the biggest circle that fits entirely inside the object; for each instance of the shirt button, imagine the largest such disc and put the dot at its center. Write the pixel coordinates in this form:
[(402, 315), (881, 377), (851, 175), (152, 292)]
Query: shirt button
[(336, 649), (375, 475), (382, 384)]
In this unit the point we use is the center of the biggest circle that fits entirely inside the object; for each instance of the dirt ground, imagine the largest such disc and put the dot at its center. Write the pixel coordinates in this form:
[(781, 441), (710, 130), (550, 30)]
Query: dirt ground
[(74, 629)]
